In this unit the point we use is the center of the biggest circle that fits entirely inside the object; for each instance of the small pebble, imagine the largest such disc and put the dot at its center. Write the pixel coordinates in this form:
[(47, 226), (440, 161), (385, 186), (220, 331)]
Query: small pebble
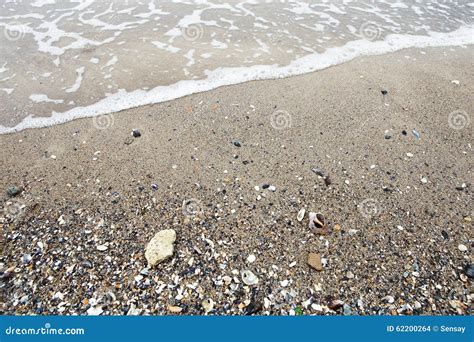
[(102, 248), (237, 143), (462, 248), (14, 191), (136, 133), (251, 258)]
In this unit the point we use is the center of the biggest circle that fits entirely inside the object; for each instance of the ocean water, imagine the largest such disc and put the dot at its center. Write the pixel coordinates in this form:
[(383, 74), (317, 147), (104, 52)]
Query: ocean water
[(61, 60)]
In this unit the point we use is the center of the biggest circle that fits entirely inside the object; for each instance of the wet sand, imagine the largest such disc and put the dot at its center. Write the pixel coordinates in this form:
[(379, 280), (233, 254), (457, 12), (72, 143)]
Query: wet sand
[(398, 208)]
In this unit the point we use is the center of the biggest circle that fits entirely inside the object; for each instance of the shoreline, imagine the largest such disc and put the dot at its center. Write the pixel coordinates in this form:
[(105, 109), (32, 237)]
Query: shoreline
[(227, 76), (397, 206)]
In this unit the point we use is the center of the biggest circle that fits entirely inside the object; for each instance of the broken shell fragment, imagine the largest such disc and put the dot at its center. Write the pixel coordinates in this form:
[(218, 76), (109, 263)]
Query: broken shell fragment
[(207, 305), (300, 215), (249, 278), (317, 223)]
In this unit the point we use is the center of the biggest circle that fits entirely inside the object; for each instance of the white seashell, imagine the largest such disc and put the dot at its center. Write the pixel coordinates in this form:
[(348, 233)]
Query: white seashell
[(301, 213), (249, 278), (251, 258), (207, 305)]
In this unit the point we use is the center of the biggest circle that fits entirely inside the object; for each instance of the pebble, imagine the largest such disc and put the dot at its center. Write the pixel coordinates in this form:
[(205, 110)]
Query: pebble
[(347, 310), (456, 82), (384, 92), (319, 172), (174, 309), (350, 275), (388, 299), (207, 305), (26, 258), (314, 260), (14, 191), (470, 271), (416, 134), (237, 143), (284, 283), (409, 154), (300, 215), (94, 311), (272, 188), (160, 247), (424, 180), (102, 248), (136, 133), (462, 248), (251, 258), (387, 135), (249, 278)]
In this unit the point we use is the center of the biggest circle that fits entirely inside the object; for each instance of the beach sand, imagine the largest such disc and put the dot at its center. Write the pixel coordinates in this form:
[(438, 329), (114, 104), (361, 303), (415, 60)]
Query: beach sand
[(398, 208)]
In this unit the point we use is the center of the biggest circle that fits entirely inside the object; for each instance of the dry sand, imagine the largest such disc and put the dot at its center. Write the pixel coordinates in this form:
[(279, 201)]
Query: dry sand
[(399, 210)]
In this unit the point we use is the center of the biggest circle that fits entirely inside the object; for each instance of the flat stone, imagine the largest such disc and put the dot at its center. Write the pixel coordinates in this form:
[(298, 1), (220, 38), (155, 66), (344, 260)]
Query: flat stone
[(314, 260), (14, 191), (160, 247)]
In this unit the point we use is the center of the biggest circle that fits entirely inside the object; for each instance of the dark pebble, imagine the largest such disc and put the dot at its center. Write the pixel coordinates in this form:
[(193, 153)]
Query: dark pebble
[(265, 186), (136, 133), (470, 271), (14, 191), (327, 180), (318, 171), (154, 187), (404, 132), (384, 92), (86, 264), (445, 234), (236, 143)]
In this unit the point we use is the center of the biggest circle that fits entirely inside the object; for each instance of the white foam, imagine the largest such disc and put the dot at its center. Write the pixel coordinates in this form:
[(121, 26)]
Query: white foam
[(228, 76), (43, 98), (77, 84)]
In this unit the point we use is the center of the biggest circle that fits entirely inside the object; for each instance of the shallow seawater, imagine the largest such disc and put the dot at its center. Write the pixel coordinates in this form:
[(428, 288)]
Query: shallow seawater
[(61, 60)]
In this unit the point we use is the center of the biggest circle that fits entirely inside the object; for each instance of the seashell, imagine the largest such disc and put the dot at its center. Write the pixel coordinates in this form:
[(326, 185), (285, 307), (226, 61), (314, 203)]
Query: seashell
[(207, 305), (317, 223), (300, 215), (249, 278)]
